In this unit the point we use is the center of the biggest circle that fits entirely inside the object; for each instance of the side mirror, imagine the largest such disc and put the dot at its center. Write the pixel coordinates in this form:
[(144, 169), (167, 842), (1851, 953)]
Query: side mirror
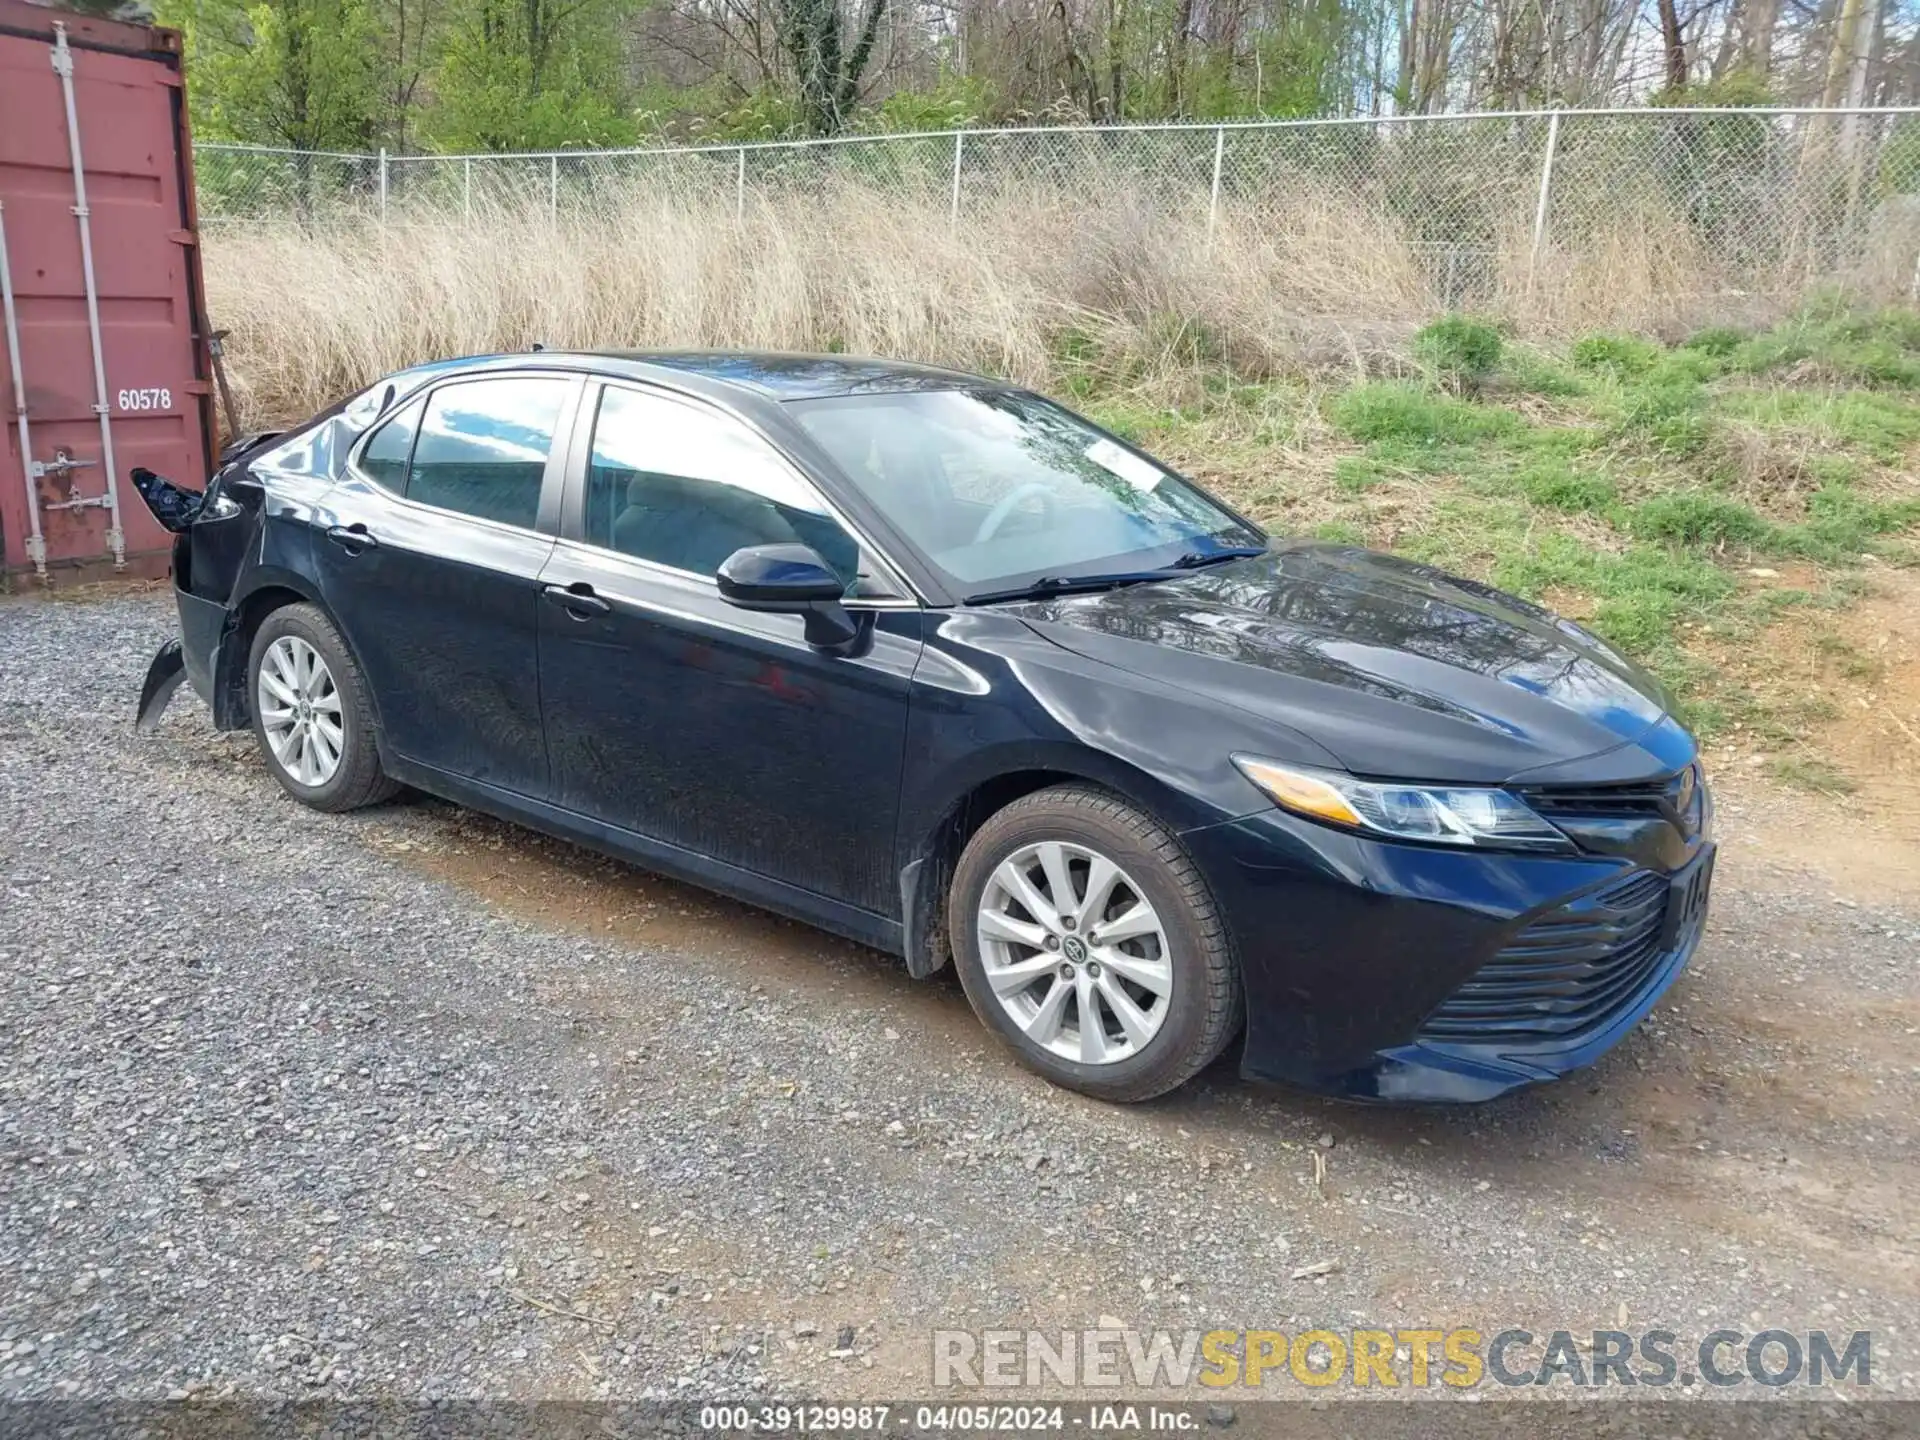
[(789, 580), (777, 578)]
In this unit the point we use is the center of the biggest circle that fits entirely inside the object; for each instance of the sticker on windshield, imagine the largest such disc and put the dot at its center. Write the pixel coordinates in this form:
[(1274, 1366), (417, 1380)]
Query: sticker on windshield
[(1141, 474)]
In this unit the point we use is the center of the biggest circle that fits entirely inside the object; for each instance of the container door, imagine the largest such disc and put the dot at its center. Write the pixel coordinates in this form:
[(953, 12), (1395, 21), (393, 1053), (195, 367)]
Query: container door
[(144, 292)]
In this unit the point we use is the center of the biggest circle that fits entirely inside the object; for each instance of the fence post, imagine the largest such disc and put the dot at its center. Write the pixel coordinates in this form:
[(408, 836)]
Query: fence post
[(383, 184), (740, 188), (553, 189), (1219, 154), (466, 187), (1546, 186), (953, 210)]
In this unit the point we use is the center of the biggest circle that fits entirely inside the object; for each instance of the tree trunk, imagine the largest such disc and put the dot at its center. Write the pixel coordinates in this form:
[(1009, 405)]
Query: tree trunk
[(1079, 73), (855, 67), (1409, 56), (1675, 44), (1840, 59), (1757, 51), (1177, 62), (1725, 55)]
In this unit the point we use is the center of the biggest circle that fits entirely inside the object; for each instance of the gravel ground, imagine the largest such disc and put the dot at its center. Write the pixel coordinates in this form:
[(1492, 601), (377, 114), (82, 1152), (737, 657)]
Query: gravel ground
[(413, 1103)]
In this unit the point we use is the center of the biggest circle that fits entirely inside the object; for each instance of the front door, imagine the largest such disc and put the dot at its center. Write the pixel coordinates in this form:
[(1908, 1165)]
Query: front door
[(675, 715), (429, 556)]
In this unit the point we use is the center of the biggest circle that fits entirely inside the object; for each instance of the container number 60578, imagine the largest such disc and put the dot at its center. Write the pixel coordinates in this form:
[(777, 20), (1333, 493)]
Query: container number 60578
[(153, 398)]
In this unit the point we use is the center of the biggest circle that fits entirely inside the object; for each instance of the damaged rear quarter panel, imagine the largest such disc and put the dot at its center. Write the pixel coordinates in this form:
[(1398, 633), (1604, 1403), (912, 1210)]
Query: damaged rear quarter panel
[(250, 552)]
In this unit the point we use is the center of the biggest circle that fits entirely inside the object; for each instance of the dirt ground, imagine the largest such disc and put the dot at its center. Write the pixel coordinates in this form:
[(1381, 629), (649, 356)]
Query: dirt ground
[(1765, 1112), (413, 1102), (1866, 840)]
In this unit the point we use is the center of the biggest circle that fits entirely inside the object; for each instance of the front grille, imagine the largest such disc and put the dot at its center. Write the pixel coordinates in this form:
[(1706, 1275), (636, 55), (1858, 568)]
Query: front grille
[(1566, 972), (1675, 798), (1605, 800)]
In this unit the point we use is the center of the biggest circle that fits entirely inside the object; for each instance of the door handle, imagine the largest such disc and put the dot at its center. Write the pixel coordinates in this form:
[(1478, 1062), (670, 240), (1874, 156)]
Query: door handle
[(352, 538), (578, 600)]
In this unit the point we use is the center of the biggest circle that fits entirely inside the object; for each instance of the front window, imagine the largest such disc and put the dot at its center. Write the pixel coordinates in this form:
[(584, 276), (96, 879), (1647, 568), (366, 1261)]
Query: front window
[(997, 489), (685, 487)]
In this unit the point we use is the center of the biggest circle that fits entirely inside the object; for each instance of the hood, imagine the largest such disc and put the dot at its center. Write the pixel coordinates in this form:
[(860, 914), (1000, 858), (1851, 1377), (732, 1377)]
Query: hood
[(1397, 669)]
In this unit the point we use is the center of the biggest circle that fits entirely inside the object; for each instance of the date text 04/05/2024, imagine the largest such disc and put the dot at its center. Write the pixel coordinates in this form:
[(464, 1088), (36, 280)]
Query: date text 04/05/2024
[(944, 1419)]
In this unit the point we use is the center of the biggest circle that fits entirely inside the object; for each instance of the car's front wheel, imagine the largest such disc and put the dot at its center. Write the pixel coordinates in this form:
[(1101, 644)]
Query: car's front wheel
[(1088, 941), (311, 712)]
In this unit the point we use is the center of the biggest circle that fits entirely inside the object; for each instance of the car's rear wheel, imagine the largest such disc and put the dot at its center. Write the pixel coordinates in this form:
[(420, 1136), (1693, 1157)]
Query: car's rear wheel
[(1088, 941), (311, 713)]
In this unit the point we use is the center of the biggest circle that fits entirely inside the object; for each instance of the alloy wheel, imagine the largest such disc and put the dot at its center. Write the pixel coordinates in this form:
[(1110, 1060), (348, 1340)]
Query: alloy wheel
[(299, 707), (1075, 952)]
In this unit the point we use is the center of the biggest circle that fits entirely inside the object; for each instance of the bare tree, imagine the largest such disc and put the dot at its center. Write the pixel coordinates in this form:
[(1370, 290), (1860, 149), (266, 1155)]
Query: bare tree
[(1673, 45)]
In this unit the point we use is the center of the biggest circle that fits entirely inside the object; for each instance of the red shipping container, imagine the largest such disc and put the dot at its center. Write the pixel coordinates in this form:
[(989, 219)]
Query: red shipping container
[(107, 363)]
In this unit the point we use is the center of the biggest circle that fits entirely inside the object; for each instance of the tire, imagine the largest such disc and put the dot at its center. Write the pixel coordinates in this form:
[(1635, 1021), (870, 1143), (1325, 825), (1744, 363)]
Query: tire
[(1168, 1037), (354, 779)]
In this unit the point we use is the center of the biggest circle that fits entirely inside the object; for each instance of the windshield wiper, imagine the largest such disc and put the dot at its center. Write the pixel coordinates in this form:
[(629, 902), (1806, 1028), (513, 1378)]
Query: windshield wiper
[(1049, 585), (1194, 559)]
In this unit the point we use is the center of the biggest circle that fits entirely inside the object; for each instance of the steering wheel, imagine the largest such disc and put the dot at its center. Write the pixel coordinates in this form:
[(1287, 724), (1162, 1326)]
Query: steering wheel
[(996, 517)]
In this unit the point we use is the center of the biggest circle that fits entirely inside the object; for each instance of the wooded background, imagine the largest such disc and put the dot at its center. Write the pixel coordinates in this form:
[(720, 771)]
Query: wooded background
[(476, 75)]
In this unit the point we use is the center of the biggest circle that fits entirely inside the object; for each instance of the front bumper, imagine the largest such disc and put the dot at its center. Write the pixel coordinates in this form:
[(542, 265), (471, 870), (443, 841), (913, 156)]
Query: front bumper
[(1383, 971)]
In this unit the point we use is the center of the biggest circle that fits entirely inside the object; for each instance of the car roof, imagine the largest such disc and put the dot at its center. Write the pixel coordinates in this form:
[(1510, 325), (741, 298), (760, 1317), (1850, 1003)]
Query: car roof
[(770, 374), (790, 376)]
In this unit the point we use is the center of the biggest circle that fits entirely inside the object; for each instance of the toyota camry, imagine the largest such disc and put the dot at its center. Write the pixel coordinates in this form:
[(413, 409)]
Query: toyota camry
[(931, 662)]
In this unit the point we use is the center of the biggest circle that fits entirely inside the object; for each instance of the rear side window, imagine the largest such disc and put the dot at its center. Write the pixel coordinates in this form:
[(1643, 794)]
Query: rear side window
[(482, 448), (385, 458)]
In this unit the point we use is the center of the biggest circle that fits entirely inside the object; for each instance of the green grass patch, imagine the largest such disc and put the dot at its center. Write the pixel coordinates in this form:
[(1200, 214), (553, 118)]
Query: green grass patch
[(1529, 372), (1558, 485), (1555, 442), (1460, 352), (1467, 533), (1661, 408), (1135, 422), (1873, 348), (1640, 592), (1620, 479), (1882, 427), (1842, 525), (1718, 342), (1400, 460), (1621, 356), (1805, 772), (1696, 517), (1409, 414), (1664, 408)]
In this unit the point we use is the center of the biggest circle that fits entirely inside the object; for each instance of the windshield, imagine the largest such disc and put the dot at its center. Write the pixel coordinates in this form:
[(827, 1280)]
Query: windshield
[(998, 489)]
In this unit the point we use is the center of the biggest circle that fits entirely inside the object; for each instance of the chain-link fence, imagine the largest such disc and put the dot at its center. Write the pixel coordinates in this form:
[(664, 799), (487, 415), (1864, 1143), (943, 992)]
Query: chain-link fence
[(1774, 201), (258, 182)]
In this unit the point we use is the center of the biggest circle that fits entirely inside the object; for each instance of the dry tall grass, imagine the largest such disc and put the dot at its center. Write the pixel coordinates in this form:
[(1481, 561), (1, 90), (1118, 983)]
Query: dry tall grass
[(316, 311)]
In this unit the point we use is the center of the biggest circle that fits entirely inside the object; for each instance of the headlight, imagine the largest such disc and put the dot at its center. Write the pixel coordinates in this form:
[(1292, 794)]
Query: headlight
[(1439, 814)]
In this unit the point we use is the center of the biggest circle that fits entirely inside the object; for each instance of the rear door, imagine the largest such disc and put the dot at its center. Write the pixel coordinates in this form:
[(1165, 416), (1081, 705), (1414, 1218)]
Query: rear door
[(430, 553), (675, 715)]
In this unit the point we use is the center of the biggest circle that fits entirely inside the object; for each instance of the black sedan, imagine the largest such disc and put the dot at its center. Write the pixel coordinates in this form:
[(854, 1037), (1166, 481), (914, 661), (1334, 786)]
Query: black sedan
[(933, 663)]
